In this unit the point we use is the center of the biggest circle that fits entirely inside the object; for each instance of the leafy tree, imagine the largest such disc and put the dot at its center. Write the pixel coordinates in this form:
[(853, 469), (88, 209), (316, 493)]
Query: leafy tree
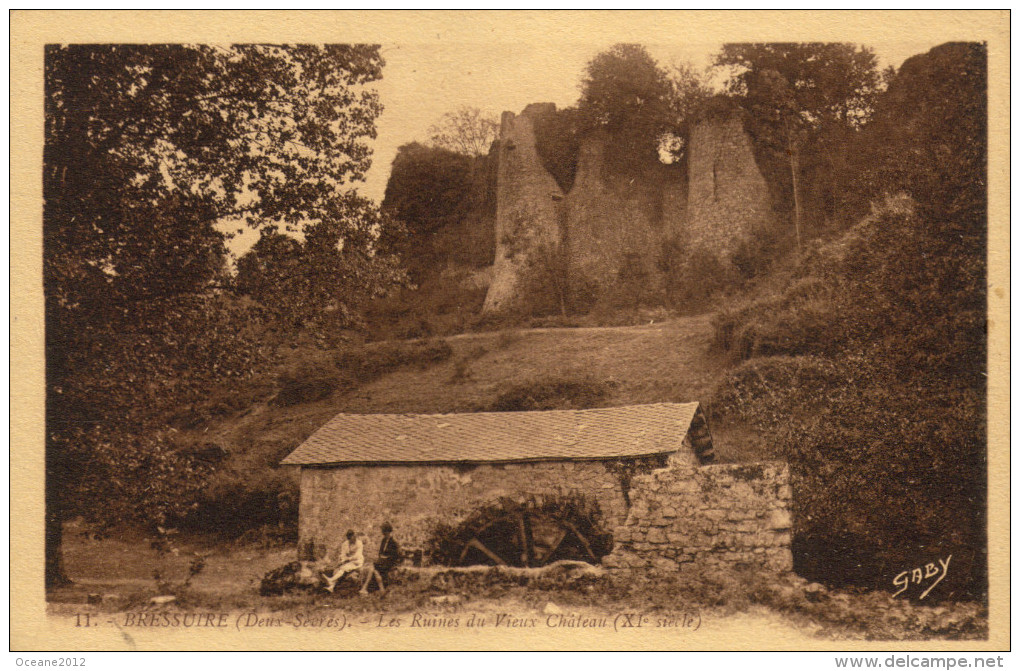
[(828, 82), (795, 91), (929, 137), (466, 131), (148, 151), (690, 88), (625, 92), (429, 189), (690, 92), (557, 140), (319, 283), (883, 402)]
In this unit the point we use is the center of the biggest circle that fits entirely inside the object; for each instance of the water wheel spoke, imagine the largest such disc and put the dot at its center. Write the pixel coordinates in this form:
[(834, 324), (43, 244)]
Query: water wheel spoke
[(523, 536), (528, 535), (478, 545), (580, 537)]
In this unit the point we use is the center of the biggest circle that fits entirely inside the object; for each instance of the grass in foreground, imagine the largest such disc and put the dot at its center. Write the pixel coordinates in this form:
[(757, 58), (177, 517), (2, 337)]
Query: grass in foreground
[(115, 570)]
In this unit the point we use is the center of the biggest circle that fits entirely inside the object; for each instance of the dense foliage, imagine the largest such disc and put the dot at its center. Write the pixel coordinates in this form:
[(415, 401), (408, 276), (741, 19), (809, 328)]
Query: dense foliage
[(149, 152), (429, 190), (804, 102), (929, 138), (627, 93), (868, 370)]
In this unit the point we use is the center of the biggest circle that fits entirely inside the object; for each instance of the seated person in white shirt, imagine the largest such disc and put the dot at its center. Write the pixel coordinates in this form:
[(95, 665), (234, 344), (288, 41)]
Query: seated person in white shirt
[(352, 558)]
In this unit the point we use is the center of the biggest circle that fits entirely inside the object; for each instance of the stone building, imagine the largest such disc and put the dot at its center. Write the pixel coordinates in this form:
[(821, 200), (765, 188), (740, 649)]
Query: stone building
[(417, 471)]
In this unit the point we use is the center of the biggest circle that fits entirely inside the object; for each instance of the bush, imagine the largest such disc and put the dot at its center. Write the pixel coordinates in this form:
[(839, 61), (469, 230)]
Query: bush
[(545, 284), (756, 255), (553, 394), (693, 275), (306, 383), (369, 362), (635, 286), (803, 320), (862, 443), (884, 408), (442, 304), (776, 378), (462, 364), (239, 500), (224, 400)]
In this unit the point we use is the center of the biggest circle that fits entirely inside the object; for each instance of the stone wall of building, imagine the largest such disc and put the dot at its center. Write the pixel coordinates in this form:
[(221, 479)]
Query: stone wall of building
[(413, 498), (709, 517), (727, 194)]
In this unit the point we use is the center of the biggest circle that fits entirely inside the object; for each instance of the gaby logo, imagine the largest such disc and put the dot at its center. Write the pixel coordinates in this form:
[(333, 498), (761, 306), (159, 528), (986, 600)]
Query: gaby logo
[(919, 575)]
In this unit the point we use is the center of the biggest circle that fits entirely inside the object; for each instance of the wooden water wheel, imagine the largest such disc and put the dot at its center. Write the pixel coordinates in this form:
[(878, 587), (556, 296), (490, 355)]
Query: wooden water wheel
[(526, 538)]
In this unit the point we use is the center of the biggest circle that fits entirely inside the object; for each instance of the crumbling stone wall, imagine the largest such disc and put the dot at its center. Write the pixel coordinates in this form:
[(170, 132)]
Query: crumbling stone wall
[(614, 215), (413, 497), (727, 194), (529, 205), (710, 517), (611, 215)]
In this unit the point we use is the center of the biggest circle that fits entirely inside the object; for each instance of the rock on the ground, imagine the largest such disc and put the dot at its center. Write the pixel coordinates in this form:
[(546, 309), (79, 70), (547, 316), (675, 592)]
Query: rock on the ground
[(447, 598)]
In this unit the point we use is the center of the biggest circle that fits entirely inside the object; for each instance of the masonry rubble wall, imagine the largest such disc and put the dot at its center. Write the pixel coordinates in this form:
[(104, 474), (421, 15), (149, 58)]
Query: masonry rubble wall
[(611, 217), (720, 516), (415, 497)]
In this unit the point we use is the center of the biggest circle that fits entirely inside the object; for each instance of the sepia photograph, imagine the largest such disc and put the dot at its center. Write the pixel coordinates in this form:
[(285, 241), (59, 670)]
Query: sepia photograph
[(435, 341)]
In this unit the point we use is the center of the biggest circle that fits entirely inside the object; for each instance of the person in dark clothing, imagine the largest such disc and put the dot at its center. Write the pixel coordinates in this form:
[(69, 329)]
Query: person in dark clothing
[(389, 556)]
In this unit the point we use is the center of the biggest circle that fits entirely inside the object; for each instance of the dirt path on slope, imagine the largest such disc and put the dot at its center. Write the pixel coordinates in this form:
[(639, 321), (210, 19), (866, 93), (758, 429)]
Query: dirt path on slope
[(669, 361)]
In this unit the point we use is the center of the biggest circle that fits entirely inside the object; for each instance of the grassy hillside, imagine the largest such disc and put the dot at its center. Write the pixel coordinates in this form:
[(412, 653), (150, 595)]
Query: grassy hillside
[(668, 361), (525, 369)]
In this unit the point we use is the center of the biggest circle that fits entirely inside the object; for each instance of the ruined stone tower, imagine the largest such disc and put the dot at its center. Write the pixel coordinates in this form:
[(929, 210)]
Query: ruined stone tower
[(529, 205), (727, 195), (611, 215)]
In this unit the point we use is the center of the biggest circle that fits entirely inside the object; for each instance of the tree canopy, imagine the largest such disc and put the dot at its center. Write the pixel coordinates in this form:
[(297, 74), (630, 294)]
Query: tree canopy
[(627, 93), (805, 100), (929, 136), (466, 130), (149, 152), (820, 81)]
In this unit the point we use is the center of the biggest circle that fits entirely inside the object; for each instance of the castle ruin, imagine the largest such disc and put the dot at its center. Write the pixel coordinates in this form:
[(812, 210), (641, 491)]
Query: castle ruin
[(612, 216)]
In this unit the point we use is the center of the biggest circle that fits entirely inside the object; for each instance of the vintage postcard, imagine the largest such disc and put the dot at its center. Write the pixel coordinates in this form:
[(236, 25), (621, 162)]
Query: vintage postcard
[(510, 331)]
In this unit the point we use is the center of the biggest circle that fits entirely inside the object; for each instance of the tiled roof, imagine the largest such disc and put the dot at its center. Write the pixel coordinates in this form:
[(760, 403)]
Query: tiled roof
[(602, 433)]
